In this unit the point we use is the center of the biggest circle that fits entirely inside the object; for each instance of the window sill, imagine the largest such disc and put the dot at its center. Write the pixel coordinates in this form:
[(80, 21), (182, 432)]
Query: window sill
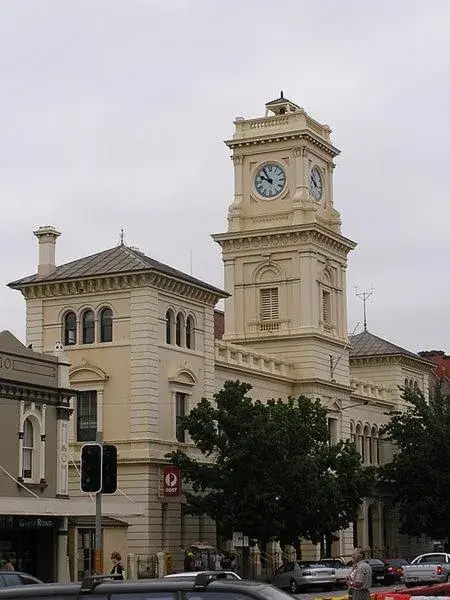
[(192, 351), (32, 485), (94, 345)]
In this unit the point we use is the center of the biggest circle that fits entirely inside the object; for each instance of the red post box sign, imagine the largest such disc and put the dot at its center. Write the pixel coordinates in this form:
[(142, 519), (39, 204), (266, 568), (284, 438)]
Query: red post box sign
[(171, 482)]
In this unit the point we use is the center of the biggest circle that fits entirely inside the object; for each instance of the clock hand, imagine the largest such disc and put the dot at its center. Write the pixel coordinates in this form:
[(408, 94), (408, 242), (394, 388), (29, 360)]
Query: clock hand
[(268, 178)]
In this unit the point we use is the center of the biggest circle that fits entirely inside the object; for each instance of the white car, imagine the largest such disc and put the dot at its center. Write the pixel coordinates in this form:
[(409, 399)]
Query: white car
[(187, 575)]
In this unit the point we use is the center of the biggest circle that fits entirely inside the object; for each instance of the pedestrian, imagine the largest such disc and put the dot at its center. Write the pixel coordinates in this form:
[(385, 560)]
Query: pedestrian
[(359, 579), (8, 566), (117, 569)]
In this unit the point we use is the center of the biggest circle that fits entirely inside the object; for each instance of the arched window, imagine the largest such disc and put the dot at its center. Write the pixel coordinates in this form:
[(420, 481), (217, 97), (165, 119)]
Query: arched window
[(360, 441), (367, 445), (190, 343), (27, 450), (88, 327), (375, 446), (179, 330), (169, 326), (106, 328), (70, 329)]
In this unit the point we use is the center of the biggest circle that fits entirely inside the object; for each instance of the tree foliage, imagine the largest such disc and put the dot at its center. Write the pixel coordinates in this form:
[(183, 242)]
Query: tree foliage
[(272, 471), (419, 474)]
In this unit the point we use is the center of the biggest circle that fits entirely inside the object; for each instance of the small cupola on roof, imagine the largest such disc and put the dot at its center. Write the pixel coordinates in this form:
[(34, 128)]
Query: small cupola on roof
[(281, 106)]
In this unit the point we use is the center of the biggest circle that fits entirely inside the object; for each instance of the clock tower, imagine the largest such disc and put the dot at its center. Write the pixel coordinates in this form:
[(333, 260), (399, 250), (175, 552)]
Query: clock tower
[(284, 254)]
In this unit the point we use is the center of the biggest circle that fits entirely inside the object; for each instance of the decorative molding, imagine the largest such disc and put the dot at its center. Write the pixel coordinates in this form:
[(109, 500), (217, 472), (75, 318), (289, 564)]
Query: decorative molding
[(389, 359), (237, 159), (109, 283), (337, 244), (20, 391), (284, 137)]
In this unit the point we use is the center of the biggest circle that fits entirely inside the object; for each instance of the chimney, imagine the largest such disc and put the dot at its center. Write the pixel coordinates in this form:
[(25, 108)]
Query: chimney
[(46, 236)]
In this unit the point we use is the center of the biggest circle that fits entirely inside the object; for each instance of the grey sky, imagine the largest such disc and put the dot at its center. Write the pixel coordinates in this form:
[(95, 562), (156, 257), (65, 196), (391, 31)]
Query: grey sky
[(113, 112)]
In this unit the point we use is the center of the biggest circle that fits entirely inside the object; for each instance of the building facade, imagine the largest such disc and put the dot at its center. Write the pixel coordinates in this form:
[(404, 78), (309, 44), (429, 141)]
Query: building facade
[(145, 343)]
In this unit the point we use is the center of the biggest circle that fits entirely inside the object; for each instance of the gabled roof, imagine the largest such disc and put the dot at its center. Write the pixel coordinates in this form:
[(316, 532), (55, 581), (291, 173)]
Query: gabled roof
[(119, 260), (367, 344), (11, 345)]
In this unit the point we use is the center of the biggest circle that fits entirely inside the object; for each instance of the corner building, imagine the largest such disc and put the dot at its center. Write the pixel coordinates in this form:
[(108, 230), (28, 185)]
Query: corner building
[(145, 342)]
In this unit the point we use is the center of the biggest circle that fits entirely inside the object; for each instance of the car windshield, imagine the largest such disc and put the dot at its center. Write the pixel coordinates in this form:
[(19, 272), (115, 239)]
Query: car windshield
[(272, 593), (375, 561), (309, 564), (396, 562)]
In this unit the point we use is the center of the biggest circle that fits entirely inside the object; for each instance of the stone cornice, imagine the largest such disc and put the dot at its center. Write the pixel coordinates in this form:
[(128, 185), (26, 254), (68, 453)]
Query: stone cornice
[(93, 285), (273, 138), (322, 386), (232, 242), (14, 390), (389, 359)]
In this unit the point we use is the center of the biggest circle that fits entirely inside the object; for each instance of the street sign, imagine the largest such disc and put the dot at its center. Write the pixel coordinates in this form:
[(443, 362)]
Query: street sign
[(171, 482)]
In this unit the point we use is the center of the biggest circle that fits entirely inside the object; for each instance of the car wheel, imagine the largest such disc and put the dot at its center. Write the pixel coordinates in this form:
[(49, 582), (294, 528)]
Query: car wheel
[(293, 586)]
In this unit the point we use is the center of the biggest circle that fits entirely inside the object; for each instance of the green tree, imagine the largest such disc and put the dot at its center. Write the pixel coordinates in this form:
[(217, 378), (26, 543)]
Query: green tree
[(272, 471), (419, 474)]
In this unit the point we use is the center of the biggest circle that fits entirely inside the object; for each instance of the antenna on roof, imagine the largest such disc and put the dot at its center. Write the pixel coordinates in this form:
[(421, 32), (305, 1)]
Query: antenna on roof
[(281, 94), (190, 251), (364, 297), (122, 236)]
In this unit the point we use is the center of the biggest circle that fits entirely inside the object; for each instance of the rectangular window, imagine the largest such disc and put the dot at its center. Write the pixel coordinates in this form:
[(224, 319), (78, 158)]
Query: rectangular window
[(333, 430), (180, 413), (87, 416), (326, 307), (269, 304)]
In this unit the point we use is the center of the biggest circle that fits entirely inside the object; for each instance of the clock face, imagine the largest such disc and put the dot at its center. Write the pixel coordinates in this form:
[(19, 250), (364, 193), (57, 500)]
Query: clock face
[(315, 183), (270, 180)]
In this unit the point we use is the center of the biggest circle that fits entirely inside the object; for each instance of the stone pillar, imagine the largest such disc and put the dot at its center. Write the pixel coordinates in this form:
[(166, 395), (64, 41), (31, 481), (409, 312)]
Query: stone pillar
[(161, 564), (255, 554), (131, 566), (62, 562)]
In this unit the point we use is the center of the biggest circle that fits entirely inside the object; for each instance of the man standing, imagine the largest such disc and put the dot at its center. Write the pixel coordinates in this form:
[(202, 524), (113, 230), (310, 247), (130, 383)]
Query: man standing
[(360, 577)]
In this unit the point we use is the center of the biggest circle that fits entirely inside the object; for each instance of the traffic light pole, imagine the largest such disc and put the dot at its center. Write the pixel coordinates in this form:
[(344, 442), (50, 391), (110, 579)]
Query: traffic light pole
[(98, 559)]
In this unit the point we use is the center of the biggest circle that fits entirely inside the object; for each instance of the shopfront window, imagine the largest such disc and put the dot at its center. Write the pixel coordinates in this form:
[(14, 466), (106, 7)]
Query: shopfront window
[(86, 547)]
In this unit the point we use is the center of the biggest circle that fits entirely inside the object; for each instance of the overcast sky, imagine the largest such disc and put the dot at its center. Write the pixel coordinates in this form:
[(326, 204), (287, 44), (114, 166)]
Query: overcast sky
[(113, 112)]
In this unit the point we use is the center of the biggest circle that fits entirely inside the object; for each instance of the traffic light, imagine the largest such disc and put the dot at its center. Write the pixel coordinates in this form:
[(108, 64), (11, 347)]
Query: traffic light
[(109, 474), (91, 468)]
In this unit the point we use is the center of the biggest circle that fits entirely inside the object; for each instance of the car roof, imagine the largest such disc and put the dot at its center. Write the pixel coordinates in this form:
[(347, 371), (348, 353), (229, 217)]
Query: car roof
[(139, 585)]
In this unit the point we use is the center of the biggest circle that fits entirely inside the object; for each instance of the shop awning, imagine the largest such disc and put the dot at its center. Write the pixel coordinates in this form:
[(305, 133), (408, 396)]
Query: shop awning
[(55, 507)]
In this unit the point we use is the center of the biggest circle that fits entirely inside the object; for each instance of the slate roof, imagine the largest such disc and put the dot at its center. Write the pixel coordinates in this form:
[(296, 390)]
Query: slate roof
[(280, 100), (9, 344), (367, 344), (119, 260)]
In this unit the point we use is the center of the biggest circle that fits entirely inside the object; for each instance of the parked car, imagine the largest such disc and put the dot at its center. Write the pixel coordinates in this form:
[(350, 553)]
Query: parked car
[(296, 576), (379, 569), (341, 569), (189, 575), (433, 567), (206, 585), (394, 571), (15, 578)]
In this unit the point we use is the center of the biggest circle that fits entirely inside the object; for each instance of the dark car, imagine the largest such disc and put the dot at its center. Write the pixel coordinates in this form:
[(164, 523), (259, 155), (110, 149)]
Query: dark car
[(379, 569), (206, 586), (394, 569), (14, 578)]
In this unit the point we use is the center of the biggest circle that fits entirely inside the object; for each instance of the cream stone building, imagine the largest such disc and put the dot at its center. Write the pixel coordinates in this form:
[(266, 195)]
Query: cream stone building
[(145, 342)]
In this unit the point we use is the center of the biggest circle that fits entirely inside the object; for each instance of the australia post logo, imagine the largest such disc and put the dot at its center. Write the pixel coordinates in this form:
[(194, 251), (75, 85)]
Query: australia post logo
[(171, 481)]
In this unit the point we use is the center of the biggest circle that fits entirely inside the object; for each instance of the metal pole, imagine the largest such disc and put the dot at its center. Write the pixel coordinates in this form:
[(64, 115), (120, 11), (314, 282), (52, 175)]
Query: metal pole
[(98, 558)]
